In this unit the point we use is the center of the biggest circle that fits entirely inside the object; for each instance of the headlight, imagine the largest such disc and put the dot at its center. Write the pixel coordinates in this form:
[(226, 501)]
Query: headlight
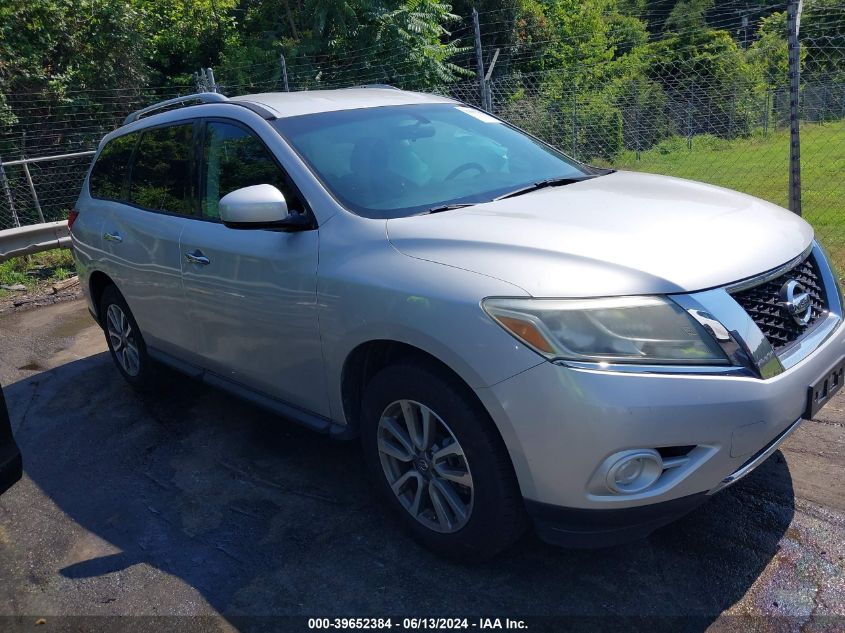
[(650, 330)]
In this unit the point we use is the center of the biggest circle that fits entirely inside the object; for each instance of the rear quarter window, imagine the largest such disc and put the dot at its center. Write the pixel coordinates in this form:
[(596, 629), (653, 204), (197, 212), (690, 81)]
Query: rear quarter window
[(108, 176)]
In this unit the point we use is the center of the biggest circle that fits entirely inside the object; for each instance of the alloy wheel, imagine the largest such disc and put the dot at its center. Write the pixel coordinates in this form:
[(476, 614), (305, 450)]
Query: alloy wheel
[(425, 466), (123, 340)]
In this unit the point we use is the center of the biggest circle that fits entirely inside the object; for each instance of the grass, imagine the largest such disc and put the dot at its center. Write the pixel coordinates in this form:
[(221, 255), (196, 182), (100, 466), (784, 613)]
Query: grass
[(53, 265), (759, 165)]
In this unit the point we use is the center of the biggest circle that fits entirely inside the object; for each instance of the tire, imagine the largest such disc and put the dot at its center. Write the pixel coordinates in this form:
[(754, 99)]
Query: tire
[(128, 350), (494, 512)]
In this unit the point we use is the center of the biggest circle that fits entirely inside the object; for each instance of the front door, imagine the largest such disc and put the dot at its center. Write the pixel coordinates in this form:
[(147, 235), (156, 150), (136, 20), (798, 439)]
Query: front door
[(252, 294)]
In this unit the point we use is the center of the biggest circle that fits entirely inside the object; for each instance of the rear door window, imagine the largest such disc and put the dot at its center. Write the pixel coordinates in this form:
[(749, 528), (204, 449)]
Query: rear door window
[(161, 178), (108, 176)]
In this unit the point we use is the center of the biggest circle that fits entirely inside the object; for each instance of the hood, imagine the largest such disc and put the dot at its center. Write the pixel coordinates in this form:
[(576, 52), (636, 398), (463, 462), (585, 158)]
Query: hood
[(624, 233)]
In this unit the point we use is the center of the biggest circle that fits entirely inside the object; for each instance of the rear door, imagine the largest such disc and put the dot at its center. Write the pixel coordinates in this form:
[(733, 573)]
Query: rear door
[(141, 234), (253, 299)]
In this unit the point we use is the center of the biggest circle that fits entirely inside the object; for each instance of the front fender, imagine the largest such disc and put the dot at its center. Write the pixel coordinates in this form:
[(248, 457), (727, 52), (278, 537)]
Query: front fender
[(369, 291)]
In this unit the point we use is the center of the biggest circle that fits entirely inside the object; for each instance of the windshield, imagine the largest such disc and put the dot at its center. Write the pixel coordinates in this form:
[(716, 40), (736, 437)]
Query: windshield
[(395, 161)]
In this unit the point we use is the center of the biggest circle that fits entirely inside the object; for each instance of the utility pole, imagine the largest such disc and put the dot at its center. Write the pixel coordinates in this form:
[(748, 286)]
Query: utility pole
[(743, 13), (479, 60), (637, 144), (212, 85), (793, 26), (5, 182), (284, 68), (575, 124), (489, 86)]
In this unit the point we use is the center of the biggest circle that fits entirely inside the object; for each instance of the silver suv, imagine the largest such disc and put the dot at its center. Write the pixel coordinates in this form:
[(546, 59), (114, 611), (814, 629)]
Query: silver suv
[(515, 337)]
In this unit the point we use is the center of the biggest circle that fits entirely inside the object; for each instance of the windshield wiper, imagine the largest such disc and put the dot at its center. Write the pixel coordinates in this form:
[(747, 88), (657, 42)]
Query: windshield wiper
[(542, 184), (446, 207)]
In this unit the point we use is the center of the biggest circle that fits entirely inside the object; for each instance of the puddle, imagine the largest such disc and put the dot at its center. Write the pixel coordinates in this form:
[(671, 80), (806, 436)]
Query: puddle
[(63, 319), (72, 325)]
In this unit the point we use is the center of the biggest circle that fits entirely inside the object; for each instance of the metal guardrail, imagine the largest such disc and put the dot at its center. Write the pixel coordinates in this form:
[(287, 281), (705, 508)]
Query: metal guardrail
[(37, 190), (27, 240)]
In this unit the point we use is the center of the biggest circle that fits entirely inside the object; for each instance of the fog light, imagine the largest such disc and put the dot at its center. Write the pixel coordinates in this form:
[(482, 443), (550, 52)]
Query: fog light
[(634, 471)]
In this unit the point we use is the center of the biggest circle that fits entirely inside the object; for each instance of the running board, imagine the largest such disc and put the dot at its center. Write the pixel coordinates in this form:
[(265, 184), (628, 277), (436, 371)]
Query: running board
[(309, 419)]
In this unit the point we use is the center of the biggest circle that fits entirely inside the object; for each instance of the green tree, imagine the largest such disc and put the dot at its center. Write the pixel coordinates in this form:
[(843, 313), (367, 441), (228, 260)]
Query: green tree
[(687, 19), (52, 45), (182, 36), (337, 43), (823, 40), (412, 45), (769, 54), (708, 73)]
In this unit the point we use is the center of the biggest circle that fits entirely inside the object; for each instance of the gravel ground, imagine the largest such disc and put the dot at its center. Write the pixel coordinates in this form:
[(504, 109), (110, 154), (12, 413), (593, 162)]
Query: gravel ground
[(191, 502), (42, 294)]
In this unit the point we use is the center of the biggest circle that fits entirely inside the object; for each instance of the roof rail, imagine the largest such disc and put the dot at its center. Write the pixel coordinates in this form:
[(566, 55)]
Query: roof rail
[(387, 86), (202, 97)]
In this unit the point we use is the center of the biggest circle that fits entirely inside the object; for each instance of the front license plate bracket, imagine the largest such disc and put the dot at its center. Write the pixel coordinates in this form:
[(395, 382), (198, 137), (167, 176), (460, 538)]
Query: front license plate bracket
[(820, 392)]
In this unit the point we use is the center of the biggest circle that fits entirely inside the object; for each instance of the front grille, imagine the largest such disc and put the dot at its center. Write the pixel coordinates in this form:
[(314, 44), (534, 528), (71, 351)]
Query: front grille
[(762, 304)]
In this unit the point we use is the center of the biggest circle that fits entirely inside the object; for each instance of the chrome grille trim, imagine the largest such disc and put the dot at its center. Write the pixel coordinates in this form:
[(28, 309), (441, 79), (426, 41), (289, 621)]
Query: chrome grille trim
[(758, 356), (756, 280), (762, 302)]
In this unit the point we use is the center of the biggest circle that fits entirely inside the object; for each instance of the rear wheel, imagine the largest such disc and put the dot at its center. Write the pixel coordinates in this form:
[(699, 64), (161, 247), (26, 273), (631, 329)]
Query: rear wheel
[(440, 463), (124, 340)]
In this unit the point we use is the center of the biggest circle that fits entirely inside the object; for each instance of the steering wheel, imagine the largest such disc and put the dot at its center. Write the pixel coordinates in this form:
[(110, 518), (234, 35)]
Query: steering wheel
[(465, 167)]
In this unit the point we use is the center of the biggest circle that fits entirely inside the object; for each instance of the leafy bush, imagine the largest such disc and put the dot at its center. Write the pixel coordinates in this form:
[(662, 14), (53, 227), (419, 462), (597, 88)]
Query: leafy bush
[(645, 112), (710, 77), (599, 129)]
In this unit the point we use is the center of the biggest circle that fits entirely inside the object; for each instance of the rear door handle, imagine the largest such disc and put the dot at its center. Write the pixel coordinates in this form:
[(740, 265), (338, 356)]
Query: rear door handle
[(113, 237), (197, 257)]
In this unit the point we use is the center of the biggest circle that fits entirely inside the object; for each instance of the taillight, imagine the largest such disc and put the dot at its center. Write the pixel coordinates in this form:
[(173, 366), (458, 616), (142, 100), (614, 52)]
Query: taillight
[(71, 218)]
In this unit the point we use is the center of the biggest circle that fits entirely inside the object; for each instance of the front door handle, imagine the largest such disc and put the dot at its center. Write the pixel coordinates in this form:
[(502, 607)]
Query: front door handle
[(113, 237), (197, 257)]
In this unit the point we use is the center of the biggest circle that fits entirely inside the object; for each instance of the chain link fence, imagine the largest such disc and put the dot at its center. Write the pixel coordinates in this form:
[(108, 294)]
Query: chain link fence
[(716, 118), (733, 134), (41, 189), (719, 115), (46, 149)]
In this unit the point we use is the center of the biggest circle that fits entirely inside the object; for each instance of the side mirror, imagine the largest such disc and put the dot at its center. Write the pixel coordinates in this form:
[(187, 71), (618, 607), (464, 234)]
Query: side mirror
[(253, 207)]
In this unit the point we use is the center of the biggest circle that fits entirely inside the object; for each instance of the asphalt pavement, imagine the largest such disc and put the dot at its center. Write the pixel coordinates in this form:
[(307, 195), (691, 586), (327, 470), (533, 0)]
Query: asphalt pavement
[(190, 502)]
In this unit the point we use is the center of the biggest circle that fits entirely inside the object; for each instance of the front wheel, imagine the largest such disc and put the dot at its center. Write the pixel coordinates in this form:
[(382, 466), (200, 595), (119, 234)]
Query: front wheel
[(440, 463), (124, 340)]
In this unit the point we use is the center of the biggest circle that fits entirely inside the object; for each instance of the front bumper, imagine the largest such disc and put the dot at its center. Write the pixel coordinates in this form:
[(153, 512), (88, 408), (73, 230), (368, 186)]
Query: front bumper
[(580, 528), (563, 423), (560, 424)]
